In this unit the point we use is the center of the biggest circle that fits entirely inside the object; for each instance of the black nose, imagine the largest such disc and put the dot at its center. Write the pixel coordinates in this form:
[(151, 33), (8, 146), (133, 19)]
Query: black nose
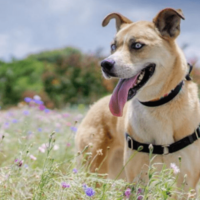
[(107, 64)]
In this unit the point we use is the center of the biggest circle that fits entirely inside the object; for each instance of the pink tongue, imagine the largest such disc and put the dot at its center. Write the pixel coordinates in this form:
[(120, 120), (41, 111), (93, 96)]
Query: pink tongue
[(120, 94)]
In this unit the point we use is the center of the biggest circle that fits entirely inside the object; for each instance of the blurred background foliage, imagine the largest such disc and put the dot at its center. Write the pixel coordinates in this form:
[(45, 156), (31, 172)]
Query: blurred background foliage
[(60, 77)]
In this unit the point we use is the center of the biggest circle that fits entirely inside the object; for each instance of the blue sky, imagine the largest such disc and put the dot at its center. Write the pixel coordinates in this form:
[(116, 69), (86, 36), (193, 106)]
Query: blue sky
[(30, 26)]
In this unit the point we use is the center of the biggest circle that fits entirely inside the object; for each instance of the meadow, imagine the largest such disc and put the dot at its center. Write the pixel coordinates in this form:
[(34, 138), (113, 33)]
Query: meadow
[(38, 160), (37, 152)]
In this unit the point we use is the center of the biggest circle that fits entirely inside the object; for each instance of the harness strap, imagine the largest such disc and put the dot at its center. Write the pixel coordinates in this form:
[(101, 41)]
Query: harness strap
[(164, 149)]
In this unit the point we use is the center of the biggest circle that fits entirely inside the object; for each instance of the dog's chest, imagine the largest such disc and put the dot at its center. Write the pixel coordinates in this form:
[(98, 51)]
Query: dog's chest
[(151, 127)]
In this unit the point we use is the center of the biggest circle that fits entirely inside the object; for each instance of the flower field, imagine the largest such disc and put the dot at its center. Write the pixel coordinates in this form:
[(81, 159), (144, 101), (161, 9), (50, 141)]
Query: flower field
[(38, 160)]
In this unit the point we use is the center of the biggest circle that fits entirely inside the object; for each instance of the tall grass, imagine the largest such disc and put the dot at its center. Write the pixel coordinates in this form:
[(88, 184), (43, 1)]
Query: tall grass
[(38, 161)]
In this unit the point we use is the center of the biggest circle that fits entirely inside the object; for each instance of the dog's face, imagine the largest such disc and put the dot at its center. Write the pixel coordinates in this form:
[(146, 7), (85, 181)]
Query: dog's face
[(139, 53)]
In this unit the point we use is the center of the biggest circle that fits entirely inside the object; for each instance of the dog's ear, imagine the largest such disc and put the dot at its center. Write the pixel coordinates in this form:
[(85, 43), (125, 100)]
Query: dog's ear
[(168, 22), (120, 19)]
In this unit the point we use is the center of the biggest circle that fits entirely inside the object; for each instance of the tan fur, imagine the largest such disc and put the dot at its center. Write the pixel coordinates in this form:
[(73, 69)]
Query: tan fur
[(160, 125)]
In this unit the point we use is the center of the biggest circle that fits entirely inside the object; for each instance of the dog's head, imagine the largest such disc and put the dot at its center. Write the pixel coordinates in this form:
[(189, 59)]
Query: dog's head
[(140, 53)]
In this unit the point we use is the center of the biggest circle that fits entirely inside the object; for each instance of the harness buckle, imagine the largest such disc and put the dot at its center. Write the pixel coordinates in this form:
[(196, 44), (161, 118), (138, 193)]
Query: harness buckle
[(130, 139), (165, 149)]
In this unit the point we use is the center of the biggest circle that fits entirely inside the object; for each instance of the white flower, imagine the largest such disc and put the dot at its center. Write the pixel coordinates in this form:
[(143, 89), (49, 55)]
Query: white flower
[(32, 157), (36, 97), (175, 168), (56, 147), (41, 149)]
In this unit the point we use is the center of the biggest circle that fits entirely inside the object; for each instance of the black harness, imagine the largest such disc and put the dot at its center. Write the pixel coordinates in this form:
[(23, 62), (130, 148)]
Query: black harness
[(171, 148)]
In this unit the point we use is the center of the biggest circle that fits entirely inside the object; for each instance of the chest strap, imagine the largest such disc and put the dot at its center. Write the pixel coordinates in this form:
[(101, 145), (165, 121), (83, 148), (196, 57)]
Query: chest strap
[(164, 149)]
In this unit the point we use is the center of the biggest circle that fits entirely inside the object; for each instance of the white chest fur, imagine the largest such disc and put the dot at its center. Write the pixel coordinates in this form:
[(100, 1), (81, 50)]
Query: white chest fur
[(149, 125)]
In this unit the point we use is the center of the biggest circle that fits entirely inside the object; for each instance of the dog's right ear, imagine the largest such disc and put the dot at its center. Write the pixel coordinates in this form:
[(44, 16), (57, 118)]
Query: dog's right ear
[(120, 19)]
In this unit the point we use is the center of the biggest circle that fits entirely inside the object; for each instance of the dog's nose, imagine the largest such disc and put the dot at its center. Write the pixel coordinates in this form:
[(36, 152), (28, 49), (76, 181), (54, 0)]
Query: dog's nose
[(107, 64)]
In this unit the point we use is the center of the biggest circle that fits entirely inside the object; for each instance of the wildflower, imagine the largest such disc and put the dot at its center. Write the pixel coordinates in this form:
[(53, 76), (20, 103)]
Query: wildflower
[(39, 129), (41, 149), (84, 186), (14, 121), (68, 124), (89, 191), (18, 162), (73, 128), (75, 171), (7, 124), (175, 168), (127, 192), (39, 102), (41, 107), (44, 145), (37, 97), (140, 191), (26, 112), (26, 166), (27, 99), (65, 185), (66, 115), (140, 197), (46, 110), (32, 157), (55, 147), (99, 152), (68, 144)]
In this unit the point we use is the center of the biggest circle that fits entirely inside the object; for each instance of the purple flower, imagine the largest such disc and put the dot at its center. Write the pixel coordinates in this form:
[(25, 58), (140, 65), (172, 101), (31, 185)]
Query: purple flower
[(41, 107), (39, 102), (26, 112), (140, 191), (84, 186), (27, 99), (140, 197), (18, 162), (66, 115), (14, 121), (75, 171), (46, 110), (65, 185), (39, 129), (89, 191), (128, 192), (73, 128), (68, 144)]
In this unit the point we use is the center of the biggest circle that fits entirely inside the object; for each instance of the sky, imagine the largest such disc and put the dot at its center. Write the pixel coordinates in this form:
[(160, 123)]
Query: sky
[(32, 26)]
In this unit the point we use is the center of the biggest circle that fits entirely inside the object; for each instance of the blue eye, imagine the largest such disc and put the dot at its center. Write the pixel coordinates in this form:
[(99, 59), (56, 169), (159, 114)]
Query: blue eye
[(113, 47), (137, 45)]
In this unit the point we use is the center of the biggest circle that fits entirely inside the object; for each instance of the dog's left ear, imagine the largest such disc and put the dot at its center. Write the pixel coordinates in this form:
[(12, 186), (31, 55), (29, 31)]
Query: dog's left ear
[(120, 19), (168, 22)]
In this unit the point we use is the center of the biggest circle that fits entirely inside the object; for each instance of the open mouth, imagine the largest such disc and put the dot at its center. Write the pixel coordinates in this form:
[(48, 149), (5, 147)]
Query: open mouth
[(127, 89), (142, 78)]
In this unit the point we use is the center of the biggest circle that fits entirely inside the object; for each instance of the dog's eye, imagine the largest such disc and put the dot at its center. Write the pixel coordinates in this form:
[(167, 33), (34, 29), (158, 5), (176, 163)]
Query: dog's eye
[(113, 47), (137, 45)]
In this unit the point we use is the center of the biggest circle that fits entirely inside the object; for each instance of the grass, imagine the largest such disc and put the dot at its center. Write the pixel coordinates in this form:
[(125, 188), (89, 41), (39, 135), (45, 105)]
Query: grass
[(38, 161)]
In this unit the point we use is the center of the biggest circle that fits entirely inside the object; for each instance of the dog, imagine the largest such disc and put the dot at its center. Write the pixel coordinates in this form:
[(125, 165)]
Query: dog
[(154, 103)]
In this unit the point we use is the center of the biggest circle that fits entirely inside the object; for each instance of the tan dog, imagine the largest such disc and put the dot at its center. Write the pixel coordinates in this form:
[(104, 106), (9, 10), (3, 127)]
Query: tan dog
[(149, 64)]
